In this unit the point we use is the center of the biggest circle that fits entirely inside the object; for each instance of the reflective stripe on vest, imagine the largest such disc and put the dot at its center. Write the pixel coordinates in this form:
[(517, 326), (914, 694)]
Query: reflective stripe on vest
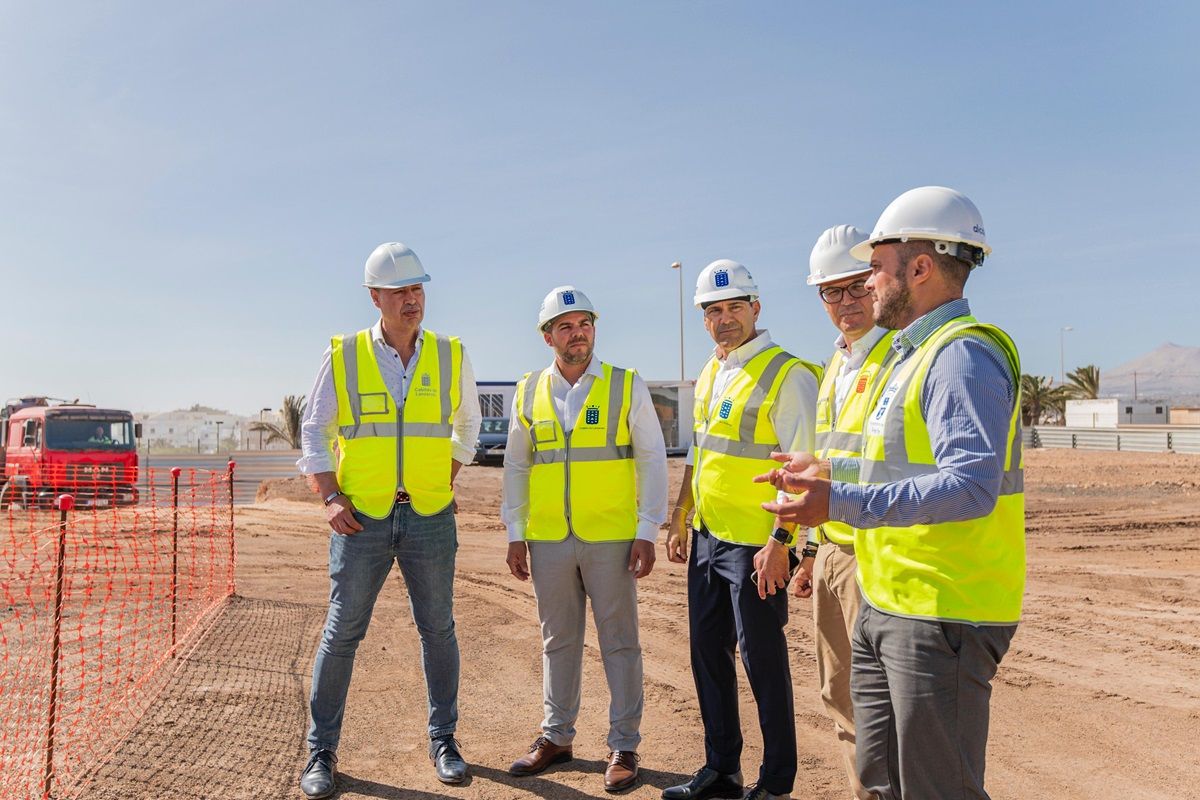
[(969, 571), (733, 443), (380, 446), (582, 482), (839, 431)]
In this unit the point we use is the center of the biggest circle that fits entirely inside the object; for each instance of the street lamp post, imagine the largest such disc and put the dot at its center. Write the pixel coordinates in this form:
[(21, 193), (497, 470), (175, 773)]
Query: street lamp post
[(260, 430), (219, 424), (678, 266), (1062, 348)]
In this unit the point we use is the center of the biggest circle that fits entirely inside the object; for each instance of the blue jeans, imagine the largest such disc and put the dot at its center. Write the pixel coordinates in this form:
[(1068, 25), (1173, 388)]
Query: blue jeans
[(424, 547)]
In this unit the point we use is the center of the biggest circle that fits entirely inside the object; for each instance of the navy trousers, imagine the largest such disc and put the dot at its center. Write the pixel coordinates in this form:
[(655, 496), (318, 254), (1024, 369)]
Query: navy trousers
[(724, 611)]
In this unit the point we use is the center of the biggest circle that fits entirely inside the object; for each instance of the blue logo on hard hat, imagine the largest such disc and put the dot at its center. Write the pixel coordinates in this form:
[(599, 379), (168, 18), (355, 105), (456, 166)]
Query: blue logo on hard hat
[(568, 298), (726, 409), (721, 278), (592, 415)]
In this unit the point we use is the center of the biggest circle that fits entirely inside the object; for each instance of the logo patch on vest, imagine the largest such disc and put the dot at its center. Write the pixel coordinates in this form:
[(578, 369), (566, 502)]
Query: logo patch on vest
[(861, 386), (875, 426), (568, 298), (425, 379), (726, 409), (721, 278), (591, 415)]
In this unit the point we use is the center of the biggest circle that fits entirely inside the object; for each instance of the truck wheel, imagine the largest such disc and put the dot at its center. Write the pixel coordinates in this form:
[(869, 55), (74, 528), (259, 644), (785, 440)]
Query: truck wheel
[(14, 495)]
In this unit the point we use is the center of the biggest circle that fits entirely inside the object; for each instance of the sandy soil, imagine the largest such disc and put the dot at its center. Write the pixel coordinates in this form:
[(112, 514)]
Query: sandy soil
[(1098, 697)]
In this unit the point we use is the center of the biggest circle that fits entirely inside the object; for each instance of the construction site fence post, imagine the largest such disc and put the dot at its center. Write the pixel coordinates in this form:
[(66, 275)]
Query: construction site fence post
[(64, 503), (232, 542), (175, 471)]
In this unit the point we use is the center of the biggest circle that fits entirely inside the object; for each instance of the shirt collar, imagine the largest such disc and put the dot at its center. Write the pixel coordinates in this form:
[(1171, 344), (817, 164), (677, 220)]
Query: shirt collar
[(747, 350), (377, 334), (923, 327), (866, 342), (593, 368)]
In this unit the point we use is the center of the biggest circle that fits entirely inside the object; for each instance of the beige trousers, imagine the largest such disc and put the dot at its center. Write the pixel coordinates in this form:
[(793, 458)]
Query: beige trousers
[(566, 576), (836, 601)]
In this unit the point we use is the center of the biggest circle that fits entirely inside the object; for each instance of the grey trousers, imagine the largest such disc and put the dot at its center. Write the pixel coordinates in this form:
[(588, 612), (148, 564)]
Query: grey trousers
[(921, 691), (565, 575)]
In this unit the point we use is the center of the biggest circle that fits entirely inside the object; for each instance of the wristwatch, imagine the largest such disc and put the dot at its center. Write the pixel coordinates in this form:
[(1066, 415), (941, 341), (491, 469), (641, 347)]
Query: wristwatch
[(329, 499), (781, 535), (809, 551)]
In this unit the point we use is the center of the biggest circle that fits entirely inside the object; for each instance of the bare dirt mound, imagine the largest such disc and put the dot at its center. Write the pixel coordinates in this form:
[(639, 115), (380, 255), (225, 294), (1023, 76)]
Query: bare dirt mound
[(296, 489)]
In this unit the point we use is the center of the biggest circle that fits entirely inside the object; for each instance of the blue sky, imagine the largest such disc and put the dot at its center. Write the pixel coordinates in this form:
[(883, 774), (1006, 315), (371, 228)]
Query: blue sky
[(189, 191)]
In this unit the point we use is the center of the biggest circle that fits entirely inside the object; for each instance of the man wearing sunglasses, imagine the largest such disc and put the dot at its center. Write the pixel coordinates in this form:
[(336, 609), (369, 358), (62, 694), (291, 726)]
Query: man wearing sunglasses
[(861, 352)]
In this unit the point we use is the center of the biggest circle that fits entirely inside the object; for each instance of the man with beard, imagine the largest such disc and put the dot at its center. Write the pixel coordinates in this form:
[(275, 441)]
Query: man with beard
[(861, 351), (937, 503), (752, 399), (394, 389), (585, 491)]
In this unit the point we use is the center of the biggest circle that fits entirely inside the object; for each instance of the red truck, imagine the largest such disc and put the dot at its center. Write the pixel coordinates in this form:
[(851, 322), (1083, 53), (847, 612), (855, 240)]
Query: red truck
[(47, 449)]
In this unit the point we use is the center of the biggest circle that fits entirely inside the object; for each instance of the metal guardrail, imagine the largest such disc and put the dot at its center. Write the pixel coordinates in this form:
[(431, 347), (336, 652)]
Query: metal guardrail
[(1163, 439)]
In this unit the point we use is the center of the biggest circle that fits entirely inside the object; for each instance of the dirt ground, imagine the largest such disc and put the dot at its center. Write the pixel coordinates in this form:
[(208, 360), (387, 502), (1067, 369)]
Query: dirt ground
[(1098, 697)]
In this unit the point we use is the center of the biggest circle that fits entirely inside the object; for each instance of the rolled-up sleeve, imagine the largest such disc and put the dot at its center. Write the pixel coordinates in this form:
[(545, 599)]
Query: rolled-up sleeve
[(968, 402), (468, 417), (318, 430)]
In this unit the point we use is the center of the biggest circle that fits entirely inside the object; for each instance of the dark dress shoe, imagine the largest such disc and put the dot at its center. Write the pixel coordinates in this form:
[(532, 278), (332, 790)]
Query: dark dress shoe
[(756, 792), (622, 770), (318, 777), (541, 755), (449, 762), (707, 783)]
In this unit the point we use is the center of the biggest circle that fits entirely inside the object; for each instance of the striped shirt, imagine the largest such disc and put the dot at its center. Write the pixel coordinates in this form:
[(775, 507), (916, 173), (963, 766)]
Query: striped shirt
[(967, 402)]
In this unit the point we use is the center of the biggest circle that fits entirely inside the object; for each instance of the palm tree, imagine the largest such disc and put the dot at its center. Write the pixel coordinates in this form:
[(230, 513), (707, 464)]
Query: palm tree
[(1083, 383), (1039, 398), (292, 412)]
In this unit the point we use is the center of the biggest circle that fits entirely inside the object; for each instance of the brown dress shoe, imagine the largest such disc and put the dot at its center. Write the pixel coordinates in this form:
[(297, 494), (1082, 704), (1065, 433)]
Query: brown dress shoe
[(622, 770), (541, 755)]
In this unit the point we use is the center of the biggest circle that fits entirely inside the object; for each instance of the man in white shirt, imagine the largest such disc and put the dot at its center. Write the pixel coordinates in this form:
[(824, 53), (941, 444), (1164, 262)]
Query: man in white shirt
[(862, 351), (752, 399), (393, 415), (585, 491)]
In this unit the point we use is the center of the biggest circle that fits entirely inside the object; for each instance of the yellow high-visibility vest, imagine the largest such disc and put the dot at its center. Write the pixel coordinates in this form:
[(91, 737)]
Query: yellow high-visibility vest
[(380, 446), (582, 482), (840, 435), (969, 571), (734, 442)]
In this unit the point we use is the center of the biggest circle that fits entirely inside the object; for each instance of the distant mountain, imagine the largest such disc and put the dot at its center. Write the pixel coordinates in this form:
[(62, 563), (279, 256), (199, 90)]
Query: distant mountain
[(1170, 372)]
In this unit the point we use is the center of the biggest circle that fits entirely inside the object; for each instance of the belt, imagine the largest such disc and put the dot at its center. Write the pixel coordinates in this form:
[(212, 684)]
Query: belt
[(403, 496)]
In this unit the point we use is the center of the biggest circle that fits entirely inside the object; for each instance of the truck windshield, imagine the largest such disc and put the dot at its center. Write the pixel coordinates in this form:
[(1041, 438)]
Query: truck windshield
[(88, 434)]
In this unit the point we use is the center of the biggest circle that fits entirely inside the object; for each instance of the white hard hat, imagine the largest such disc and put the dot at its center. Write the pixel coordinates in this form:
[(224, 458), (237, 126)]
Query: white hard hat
[(935, 214), (722, 280), (563, 300), (831, 260), (392, 265)]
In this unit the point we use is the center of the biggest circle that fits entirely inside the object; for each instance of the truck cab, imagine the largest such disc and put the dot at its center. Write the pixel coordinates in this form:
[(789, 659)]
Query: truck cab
[(47, 450)]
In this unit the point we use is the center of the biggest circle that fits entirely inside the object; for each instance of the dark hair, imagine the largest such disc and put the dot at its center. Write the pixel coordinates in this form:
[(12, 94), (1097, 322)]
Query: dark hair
[(745, 297), (953, 269)]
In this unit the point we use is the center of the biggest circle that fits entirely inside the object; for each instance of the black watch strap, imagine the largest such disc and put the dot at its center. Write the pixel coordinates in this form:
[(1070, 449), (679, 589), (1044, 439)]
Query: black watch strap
[(781, 535)]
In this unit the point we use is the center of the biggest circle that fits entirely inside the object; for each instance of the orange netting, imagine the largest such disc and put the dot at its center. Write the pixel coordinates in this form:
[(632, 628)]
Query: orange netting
[(96, 603)]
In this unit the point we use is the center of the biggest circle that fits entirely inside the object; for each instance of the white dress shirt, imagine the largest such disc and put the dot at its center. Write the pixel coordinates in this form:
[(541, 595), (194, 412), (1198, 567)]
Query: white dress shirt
[(853, 356), (792, 416), (649, 452), (318, 431)]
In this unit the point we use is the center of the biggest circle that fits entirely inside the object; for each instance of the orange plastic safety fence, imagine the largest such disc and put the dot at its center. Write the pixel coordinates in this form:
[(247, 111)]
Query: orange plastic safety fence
[(96, 605)]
